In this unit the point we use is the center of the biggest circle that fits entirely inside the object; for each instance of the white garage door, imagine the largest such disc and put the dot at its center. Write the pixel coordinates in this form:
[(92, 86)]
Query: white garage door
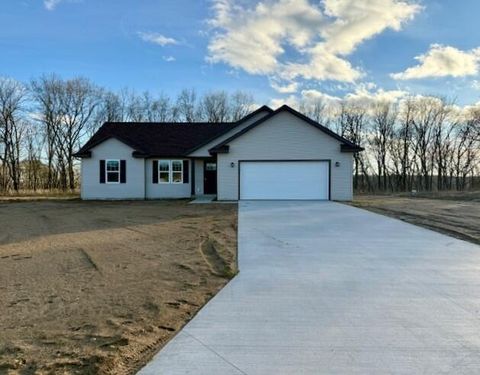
[(284, 180)]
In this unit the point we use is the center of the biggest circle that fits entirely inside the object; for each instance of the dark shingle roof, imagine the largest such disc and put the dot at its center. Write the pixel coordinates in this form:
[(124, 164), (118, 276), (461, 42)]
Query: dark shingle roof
[(162, 139), (157, 139)]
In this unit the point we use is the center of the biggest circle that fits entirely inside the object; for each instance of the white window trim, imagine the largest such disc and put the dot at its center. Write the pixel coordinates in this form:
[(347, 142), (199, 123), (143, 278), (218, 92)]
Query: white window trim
[(170, 172), (106, 172), (180, 171)]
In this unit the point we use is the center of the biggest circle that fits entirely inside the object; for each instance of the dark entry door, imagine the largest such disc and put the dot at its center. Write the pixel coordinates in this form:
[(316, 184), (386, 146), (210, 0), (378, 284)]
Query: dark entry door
[(210, 177)]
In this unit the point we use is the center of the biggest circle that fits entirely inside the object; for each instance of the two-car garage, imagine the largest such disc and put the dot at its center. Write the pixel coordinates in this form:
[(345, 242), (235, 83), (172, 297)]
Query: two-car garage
[(285, 180)]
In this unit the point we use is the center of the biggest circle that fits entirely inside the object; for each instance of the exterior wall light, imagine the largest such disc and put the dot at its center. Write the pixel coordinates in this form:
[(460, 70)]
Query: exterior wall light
[(232, 164), (337, 164)]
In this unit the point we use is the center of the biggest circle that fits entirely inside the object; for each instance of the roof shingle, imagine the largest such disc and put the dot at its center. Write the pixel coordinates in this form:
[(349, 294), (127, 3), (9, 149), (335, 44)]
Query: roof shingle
[(157, 139)]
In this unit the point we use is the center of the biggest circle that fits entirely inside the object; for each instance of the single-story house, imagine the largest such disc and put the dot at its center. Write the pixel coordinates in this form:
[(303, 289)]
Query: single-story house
[(268, 154)]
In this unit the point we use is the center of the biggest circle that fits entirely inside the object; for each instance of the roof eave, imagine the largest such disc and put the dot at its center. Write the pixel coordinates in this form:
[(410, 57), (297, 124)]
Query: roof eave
[(350, 148), (219, 150), (83, 154)]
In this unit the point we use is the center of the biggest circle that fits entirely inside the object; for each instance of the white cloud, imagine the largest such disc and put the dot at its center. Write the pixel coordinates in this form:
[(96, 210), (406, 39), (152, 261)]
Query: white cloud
[(359, 20), (476, 84), (442, 61), (169, 58), (253, 38), (322, 66), (51, 4), (364, 95), (321, 34), (284, 88), (157, 38), (312, 96)]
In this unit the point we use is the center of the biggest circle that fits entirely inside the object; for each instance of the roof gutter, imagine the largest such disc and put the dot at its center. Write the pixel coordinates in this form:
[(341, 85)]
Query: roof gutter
[(349, 148)]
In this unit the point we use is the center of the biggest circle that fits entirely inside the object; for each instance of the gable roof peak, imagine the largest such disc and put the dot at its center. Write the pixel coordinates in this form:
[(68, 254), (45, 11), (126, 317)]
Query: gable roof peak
[(346, 145)]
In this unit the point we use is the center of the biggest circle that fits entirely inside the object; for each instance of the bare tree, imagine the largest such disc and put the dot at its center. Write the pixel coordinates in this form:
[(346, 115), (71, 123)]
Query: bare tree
[(186, 106), (66, 110), (351, 123), (383, 126), (12, 124), (79, 100), (214, 107), (240, 105), (161, 109), (12, 102), (111, 108), (46, 92), (33, 168), (402, 144), (317, 109)]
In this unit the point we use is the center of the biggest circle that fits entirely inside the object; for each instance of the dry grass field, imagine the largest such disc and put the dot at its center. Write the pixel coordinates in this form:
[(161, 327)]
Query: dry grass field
[(99, 287), (455, 214)]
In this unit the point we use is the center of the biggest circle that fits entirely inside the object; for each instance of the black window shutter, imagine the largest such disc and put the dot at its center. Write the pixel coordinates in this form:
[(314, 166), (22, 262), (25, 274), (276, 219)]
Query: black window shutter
[(123, 171), (186, 173), (102, 171), (155, 172)]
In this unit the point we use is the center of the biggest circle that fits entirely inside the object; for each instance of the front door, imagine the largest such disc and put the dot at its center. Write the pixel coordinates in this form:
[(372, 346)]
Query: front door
[(210, 177)]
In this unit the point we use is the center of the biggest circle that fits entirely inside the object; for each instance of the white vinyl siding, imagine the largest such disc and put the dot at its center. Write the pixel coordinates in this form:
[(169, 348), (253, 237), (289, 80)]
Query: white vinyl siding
[(203, 151), (166, 190), (112, 149), (285, 137)]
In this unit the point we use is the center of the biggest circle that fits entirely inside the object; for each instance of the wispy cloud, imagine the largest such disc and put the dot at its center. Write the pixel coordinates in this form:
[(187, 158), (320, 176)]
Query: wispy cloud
[(286, 88), (51, 4), (443, 61), (322, 35), (157, 38), (169, 58)]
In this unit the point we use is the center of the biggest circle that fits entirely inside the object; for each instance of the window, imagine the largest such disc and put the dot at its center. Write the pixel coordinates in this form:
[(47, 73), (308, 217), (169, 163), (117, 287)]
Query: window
[(211, 167), (164, 171), (112, 168), (177, 171), (170, 171)]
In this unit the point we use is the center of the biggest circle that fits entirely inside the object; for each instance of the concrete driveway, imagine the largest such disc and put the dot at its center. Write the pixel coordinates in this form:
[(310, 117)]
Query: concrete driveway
[(325, 288)]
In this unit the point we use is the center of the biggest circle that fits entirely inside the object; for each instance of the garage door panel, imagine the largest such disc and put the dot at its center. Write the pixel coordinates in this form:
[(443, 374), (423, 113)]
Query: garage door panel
[(284, 180)]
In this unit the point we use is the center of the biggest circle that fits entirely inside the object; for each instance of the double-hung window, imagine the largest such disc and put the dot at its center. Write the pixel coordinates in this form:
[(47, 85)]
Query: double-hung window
[(170, 171), (164, 171), (177, 172), (112, 171)]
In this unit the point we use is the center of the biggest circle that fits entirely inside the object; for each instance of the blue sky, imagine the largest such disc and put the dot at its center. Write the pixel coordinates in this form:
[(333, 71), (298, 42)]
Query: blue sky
[(279, 50)]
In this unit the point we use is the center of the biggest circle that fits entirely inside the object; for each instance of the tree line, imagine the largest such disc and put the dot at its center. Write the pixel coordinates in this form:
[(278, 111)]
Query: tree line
[(418, 143), (43, 122)]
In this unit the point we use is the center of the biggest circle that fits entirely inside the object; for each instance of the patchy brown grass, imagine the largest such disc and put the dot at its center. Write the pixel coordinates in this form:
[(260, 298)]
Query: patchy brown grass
[(99, 287), (455, 214), (39, 195)]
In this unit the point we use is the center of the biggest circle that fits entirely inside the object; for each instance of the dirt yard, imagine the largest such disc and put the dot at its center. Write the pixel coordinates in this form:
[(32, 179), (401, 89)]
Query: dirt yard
[(457, 215), (99, 287)]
